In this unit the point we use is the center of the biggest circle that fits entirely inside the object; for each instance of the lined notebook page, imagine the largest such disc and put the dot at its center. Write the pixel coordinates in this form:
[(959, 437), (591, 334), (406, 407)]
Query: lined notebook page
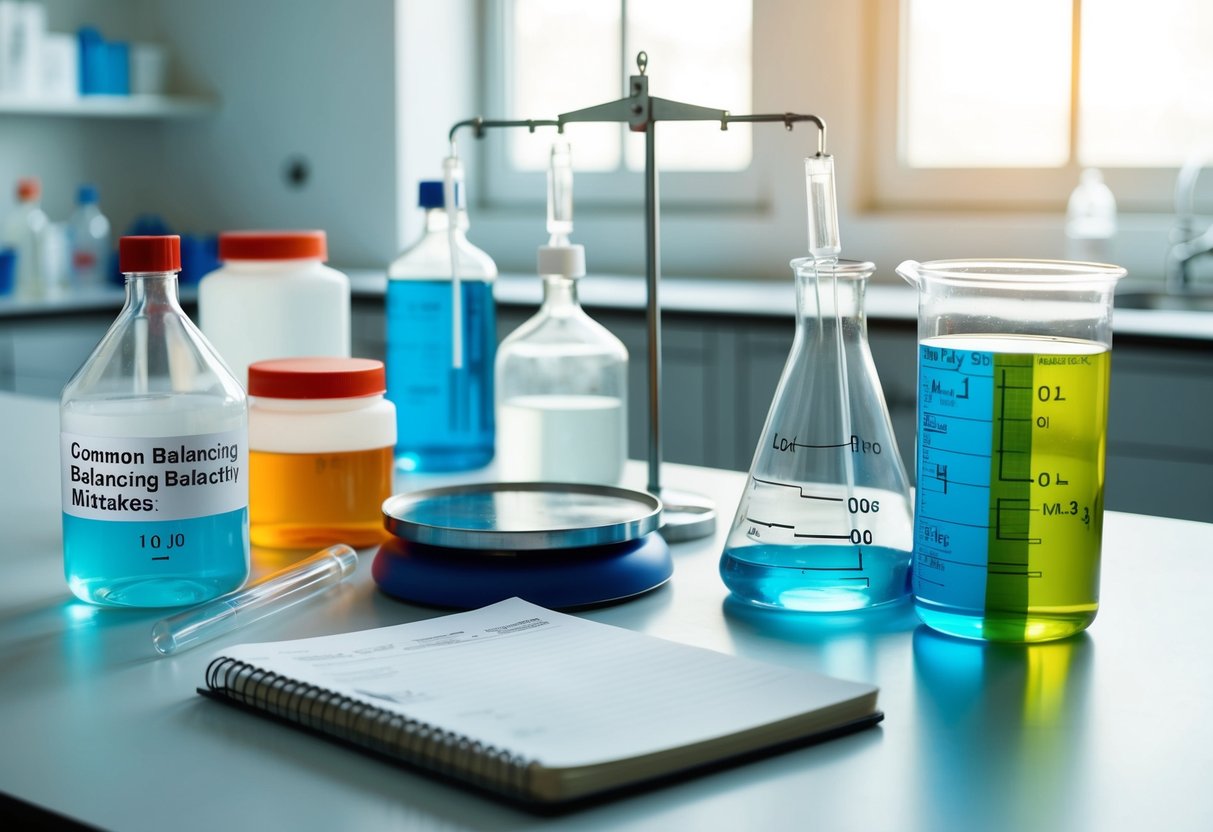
[(552, 687)]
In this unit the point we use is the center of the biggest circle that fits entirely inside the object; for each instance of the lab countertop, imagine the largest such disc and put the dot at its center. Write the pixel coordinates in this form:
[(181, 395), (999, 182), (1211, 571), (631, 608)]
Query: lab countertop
[(753, 298), (1108, 730)]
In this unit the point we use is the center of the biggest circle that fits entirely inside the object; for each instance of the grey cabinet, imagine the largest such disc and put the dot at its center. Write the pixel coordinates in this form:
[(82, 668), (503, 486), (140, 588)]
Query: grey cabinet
[(39, 354), (720, 374)]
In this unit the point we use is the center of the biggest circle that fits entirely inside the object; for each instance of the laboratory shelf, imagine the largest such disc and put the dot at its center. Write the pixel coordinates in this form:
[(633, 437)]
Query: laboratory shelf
[(113, 106)]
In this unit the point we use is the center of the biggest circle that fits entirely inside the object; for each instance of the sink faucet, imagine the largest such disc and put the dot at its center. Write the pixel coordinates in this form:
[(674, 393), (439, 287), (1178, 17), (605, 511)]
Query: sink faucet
[(1186, 243)]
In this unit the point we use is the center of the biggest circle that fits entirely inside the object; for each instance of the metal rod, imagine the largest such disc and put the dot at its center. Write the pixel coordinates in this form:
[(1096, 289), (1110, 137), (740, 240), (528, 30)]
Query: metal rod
[(479, 124), (788, 120), (652, 261), (641, 112)]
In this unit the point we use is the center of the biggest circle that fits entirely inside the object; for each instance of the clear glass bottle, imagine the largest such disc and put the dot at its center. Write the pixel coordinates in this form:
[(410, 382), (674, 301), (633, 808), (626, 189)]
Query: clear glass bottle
[(562, 387), (154, 451), (824, 522), (444, 413)]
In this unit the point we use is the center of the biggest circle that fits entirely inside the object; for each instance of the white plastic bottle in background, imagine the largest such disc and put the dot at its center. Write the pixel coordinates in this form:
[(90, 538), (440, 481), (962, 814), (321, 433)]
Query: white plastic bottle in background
[(273, 297), (1091, 220), (88, 238), (25, 233)]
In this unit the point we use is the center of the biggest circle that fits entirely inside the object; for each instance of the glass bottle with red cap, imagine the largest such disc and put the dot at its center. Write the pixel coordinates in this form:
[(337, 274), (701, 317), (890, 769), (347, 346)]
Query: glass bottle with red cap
[(154, 452), (274, 297)]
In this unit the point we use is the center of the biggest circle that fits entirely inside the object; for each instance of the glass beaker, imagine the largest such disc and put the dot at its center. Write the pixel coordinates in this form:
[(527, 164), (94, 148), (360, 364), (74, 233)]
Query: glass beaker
[(1013, 371), (824, 521)]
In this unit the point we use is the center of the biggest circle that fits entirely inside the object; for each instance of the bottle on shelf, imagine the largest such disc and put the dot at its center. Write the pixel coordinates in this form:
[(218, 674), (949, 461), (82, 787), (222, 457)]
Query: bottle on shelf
[(88, 238), (25, 232), (562, 376), (154, 452), (439, 362)]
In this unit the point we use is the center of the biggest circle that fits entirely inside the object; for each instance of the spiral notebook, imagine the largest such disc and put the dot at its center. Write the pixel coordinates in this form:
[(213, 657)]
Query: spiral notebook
[(537, 706)]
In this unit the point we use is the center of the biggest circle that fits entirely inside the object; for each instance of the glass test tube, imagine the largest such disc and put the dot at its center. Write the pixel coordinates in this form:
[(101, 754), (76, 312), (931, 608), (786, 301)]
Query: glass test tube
[(282, 589), (823, 207)]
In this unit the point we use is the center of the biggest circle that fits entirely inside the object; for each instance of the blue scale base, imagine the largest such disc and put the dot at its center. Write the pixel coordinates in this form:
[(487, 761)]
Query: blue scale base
[(554, 578)]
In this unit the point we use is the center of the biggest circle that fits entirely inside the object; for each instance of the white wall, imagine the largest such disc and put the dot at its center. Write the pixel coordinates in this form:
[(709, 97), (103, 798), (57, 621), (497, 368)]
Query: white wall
[(436, 71), (303, 78)]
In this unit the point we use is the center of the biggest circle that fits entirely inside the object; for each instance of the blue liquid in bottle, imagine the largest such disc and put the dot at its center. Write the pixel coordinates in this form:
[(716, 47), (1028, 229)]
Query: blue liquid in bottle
[(444, 415), (155, 564)]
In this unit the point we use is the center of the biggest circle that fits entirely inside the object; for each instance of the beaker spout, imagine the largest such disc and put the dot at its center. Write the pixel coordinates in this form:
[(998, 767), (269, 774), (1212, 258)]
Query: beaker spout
[(909, 271)]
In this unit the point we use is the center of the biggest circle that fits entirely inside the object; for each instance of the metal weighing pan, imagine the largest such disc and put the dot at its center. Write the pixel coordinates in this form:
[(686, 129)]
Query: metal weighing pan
[(522, 516)]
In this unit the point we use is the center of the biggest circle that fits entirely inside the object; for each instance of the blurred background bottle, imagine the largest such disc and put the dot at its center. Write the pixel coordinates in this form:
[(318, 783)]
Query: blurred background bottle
[(25, 232), (88, 237), (1091, 220)]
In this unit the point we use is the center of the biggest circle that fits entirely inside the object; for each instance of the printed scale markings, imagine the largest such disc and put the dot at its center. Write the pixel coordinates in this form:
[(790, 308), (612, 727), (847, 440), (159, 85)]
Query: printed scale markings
[(1009, 481), (792, 445)]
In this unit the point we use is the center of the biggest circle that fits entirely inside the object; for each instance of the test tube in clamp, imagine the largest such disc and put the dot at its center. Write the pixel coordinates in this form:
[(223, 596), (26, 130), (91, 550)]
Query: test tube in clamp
[(282, 589)]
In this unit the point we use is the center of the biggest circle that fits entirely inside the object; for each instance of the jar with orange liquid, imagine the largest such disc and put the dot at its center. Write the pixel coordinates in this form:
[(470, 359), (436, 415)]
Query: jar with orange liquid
[(321, 439)]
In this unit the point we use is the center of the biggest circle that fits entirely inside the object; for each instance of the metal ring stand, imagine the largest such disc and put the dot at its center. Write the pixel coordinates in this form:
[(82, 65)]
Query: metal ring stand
[(685, 516)]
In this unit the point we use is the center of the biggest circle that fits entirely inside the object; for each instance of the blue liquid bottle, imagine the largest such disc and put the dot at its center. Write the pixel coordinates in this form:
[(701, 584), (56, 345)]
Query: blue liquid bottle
[(444, 413), (154, 452)]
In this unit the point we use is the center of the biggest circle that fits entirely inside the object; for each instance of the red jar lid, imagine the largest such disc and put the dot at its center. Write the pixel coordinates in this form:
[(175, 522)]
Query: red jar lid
[(149, 254), (273, 245), (316, 378)]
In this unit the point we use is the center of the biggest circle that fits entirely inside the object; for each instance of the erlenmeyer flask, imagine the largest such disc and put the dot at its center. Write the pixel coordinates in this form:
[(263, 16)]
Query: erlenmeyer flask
[(824, 522)]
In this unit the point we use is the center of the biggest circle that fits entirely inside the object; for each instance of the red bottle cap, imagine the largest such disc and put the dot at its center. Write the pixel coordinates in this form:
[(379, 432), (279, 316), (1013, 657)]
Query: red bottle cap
[(316, 378), (149, 254), (273, 245), (28, 188)]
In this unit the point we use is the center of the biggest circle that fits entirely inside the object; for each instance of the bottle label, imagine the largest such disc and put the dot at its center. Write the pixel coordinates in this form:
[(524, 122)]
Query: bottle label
[(157, 478)]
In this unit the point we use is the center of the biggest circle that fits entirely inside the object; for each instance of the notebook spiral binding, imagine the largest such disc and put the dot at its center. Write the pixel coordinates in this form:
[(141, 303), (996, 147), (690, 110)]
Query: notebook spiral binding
[(404, 738)]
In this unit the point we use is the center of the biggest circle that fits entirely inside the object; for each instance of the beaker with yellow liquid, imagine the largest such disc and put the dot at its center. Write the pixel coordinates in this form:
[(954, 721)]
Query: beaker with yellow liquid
[(1013, 372)]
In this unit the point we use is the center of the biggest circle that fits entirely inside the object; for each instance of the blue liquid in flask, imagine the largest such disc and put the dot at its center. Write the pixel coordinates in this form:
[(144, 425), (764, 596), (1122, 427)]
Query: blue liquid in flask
[(816, 578), (444, 415)]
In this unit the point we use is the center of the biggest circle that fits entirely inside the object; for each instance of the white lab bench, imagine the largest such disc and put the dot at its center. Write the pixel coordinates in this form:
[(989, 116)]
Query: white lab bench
[(1104, 731)]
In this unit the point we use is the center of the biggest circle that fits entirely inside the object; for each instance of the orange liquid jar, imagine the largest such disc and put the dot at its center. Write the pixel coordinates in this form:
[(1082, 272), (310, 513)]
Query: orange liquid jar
[(321, 438)]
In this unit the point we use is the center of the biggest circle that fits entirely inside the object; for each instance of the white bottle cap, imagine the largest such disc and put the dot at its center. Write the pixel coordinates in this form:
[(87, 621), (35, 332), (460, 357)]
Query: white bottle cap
[(567, 261)]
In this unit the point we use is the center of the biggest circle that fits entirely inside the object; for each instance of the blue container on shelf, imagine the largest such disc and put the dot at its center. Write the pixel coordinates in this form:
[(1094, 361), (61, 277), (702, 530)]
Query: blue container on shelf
[(104, 65)]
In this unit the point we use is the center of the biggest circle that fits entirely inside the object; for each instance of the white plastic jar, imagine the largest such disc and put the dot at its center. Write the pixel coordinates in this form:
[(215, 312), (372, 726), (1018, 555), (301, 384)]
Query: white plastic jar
[(273, 297), (321, 441)]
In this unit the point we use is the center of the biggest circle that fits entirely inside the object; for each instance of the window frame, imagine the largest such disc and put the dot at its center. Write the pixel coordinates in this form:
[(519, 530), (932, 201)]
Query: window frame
[(506, 188), (896, 186)]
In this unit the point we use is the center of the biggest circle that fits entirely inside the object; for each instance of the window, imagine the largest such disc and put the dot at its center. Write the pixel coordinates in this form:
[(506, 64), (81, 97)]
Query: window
[(557, 56), (1002, 103)]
